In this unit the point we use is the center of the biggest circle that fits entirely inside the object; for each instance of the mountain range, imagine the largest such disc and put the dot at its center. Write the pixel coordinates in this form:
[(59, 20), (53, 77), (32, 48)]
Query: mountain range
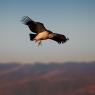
[(69, 78)]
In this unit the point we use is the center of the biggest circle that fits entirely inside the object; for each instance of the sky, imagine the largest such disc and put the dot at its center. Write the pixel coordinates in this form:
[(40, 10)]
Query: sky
[(73, 18)]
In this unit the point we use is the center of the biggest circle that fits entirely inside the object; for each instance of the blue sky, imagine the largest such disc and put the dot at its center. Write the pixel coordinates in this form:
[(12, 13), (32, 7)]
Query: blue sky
[(73, 18)]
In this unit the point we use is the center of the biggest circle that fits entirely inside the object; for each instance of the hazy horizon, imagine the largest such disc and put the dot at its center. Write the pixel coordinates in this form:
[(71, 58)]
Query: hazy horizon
[(73, 18)]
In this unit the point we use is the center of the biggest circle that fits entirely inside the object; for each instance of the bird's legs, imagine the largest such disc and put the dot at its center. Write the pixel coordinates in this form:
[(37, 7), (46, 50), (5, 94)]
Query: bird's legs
[(39, 42)]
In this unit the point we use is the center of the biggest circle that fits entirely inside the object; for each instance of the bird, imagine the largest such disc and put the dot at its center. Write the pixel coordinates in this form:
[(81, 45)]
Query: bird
[(40, 32)]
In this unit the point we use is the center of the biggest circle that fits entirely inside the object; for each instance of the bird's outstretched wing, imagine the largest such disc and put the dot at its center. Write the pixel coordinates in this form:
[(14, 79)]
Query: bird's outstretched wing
[(35, 27), (59, 38)]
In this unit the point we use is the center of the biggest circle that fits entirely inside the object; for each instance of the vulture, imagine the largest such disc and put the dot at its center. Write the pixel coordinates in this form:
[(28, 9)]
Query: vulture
[(40, 32)]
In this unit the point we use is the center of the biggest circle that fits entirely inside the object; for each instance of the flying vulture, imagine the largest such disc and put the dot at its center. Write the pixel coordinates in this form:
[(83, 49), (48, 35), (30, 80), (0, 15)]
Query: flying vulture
[(41, 33)]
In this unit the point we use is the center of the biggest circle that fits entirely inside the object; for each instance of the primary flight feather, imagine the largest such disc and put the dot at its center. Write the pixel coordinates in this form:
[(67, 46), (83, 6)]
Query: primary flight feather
[(41, 33)]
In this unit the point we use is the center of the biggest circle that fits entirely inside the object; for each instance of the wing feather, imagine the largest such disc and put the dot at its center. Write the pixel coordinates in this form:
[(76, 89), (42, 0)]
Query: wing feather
[(59, 38), (35, 27)]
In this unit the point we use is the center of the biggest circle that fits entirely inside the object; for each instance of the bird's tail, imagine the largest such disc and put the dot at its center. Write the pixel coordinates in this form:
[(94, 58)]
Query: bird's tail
[(32, 36)]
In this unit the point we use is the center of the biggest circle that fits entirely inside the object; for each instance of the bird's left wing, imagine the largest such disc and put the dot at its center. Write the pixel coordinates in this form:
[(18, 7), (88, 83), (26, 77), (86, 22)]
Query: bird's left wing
[(35, 27), (59, 38)]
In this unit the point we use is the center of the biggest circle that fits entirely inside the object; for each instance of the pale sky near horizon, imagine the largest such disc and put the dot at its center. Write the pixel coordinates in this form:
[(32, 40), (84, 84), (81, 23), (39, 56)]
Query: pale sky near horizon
[(73, 18)]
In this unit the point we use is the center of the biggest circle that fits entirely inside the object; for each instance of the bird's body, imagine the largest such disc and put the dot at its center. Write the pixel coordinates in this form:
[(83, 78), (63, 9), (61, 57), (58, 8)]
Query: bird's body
[(41, 33), (42, 36)]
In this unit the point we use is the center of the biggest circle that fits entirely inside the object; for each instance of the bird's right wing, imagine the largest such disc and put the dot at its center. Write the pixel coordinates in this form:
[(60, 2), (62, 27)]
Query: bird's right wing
[(35, 27), (59, 38)]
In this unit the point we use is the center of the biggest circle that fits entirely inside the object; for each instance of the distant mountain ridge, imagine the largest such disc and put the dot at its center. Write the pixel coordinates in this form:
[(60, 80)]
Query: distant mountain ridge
[(70, 78)]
